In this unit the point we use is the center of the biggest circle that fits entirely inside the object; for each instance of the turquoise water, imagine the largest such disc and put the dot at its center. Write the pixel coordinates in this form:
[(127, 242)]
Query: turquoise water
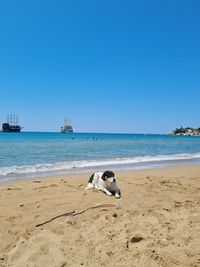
[(31, 154)]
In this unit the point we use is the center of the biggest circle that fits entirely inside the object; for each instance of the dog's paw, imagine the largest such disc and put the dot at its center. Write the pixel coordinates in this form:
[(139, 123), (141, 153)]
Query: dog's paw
[(117, 196), (108, 193)]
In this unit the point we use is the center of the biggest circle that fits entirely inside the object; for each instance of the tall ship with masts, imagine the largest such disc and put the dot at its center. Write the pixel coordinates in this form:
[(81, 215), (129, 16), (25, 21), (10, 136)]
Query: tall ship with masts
[(12, 124), (67, 127)]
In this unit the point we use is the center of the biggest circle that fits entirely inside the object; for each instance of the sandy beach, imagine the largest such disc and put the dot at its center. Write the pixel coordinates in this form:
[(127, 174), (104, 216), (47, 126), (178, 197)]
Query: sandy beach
[(155, 223)]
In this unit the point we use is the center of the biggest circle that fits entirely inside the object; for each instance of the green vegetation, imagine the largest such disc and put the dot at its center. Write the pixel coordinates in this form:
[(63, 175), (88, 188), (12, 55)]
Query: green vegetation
[(186, 131)]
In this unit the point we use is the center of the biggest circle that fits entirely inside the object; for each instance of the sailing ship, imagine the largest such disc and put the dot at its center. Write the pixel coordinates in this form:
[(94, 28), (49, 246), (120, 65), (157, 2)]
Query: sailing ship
[(66, 128), (12, 124)]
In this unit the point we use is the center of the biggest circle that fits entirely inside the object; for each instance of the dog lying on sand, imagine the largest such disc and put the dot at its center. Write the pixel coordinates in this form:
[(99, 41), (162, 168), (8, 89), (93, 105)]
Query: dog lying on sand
[(106, 182)]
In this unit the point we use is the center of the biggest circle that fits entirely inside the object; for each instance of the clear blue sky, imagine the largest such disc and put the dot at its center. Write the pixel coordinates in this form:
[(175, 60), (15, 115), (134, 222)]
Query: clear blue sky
[(109, 65)]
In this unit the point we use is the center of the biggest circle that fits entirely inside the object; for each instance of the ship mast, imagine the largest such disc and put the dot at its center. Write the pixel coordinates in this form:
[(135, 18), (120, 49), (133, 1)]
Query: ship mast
[(65, 122), (16, 120), (12, 119)]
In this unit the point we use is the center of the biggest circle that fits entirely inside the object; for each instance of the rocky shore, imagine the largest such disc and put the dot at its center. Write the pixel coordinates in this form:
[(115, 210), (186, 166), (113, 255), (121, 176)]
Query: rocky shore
[(186, 131)]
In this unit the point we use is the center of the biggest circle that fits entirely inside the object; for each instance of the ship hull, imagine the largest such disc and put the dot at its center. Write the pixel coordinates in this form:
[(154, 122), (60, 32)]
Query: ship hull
[(71, 131), (11, 131), (10, 128), (66, 129)]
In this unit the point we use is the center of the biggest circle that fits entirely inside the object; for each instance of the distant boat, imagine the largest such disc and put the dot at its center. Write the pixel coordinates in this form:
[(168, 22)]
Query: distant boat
[(12, 124), (66, 128)]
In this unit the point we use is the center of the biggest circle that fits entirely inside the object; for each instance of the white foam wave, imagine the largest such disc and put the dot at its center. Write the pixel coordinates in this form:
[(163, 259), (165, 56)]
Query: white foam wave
[(70, 165)]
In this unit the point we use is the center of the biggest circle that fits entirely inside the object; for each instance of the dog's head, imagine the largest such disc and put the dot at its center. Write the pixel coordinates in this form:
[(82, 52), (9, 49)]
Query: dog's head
[(109, 176)]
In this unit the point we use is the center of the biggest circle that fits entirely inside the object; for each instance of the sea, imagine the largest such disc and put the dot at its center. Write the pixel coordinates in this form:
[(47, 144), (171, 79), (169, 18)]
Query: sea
[(35, 154)]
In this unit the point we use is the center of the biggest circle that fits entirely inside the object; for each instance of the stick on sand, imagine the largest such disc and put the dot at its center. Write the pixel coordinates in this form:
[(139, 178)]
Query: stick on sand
[(75, 213)]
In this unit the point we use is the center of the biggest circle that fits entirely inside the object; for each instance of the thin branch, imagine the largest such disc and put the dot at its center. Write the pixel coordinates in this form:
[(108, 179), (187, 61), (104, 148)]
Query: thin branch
[(56, 217), (73, 213)]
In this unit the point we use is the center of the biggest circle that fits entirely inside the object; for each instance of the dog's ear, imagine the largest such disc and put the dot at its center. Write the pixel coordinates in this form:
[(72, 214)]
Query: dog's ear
[(104, 177), (112, 174), (107, 174)]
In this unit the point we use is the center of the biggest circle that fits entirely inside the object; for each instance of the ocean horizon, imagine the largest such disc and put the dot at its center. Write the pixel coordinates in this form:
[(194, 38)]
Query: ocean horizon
[(33, 154)]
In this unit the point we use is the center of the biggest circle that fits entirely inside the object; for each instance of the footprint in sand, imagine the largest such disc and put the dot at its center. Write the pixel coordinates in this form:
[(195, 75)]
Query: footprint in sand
[(13, 188), (45, 186)]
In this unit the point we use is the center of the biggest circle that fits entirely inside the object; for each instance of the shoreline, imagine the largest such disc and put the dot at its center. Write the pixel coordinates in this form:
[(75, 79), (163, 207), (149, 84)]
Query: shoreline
[(148, 165), (88, 172), (157, 215)]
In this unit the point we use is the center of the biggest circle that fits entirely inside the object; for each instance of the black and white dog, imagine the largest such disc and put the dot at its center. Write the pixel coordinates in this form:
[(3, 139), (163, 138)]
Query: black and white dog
[(106, 182)]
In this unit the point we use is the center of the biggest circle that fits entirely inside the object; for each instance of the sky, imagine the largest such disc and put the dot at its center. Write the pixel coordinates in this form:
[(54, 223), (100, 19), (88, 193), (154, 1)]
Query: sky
[(130, 66)]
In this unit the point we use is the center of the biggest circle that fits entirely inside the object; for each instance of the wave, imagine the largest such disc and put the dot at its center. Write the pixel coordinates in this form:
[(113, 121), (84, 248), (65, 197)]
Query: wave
[(89, 164)]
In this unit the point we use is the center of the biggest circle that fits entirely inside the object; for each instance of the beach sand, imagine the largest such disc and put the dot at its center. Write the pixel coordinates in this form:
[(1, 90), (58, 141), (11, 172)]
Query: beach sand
[(155, 223)]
